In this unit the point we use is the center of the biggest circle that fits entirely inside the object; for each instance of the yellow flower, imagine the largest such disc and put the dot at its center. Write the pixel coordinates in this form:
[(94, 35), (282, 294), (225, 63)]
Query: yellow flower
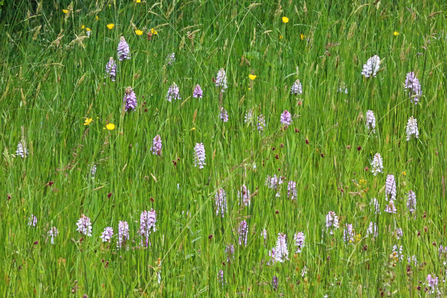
[(88, 121), (110, 26), (302, 36), (280, 36), (396, 33), (96, 17), (252, 77), (285, 19), (82, 27), (153, 31), (65, 11), (193, 128), (139, 32), (110, 126), (403, 173), (88, 29), (362, 181), (137, 1)]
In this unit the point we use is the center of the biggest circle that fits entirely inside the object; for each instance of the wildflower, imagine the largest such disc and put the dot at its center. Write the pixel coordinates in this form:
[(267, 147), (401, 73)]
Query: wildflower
[(412, 128), (376, 205), (88, 31), (130, 99), (229, 251), (88, 121), (348, 234), (221, 80), (32, 220), (280, 253), (107, 234), (304, 271), (286, 118), (371, 67), (412, 259), (302, 36), (147, 223), (377, 164), (248, 116), (396, 33), (110, 126), (21, 150), (292, 193), (285, 20), (370, 121), (261, 123), (413, 86), (53, 234), (223, 115), (153, 31), (297, 88), (137, 1), (123, 233), (110, 26), (84, 226), (97, 18), (199, 155), (156, 145), (372, 229), (390, 208), (397, 253), (111, 69), (221, 202), (390, 188), (244, 194), (331, 221), (93, 170), (299, 241), (170, 59), (264, 235), (197, 92), (280, 37), (173, 92), (273, 182), (275, 282), (65, 11), (243, 232), (220, 276), (399, 233), (252, 77), (342, 88), (123, 49), (411, 201), (83, 27), (138, 32)]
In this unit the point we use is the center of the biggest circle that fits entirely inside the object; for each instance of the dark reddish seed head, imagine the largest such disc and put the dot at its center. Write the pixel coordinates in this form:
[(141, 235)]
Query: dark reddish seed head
[(307, 141), (214, 80), (322, 155), (366, 169), (273, 149), (210, 236), (282, 145), (145, 110), (50, 183), (296, 130), (277, 212), (152, 199), (276, 156), (9, 197), (36, 242), (359, 148), (109, 195)]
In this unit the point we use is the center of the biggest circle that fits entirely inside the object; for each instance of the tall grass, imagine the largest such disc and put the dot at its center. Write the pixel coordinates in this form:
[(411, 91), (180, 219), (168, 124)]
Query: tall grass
[(52, 79)]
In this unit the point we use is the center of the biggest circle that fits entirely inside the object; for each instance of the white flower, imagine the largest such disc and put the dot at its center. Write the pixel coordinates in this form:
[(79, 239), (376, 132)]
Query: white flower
[(412, 128)]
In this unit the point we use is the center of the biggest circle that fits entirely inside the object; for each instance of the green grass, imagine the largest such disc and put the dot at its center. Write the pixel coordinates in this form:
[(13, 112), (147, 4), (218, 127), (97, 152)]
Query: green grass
[(52, 79)]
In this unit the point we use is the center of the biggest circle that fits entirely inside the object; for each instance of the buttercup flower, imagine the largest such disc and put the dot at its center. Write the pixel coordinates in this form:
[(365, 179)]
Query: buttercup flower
[(110, 26), (138, 32), (65, 11), (252, 77), (88, 121), (285, 20), (153, 31), (396, 33), (110, 126)]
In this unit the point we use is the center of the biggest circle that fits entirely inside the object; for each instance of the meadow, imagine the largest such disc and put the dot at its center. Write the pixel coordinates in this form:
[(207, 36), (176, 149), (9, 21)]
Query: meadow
[(203, 148)]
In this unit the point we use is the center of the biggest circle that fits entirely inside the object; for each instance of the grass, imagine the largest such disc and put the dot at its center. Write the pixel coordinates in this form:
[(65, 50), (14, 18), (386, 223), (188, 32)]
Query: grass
[(53, 79)]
